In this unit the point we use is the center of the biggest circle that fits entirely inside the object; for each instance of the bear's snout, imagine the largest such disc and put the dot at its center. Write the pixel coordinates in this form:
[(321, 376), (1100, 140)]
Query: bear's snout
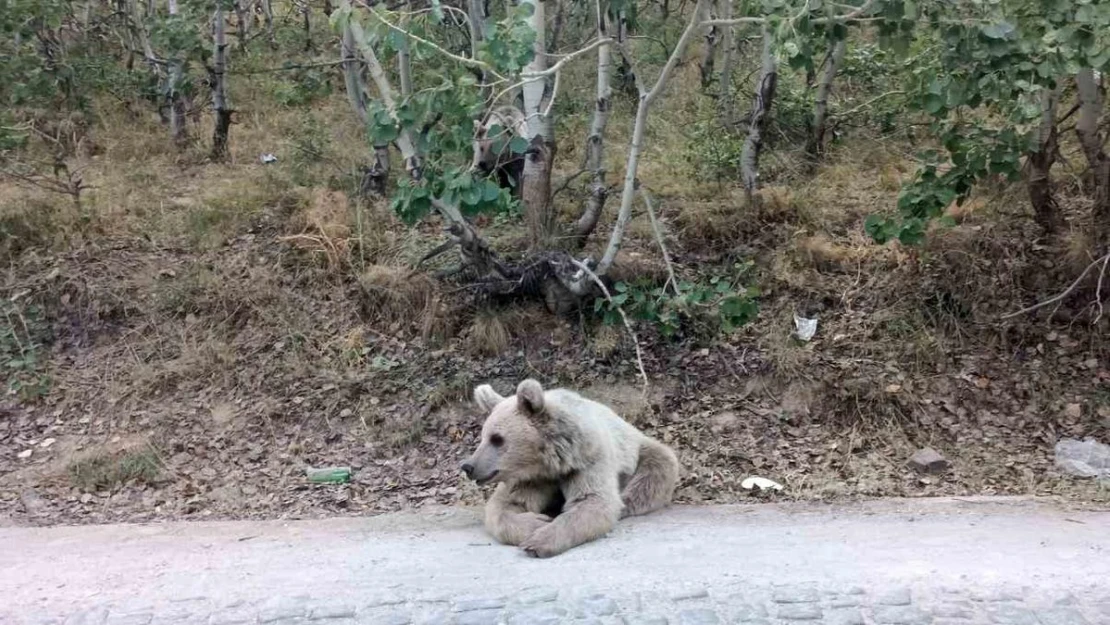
[(468, 469)]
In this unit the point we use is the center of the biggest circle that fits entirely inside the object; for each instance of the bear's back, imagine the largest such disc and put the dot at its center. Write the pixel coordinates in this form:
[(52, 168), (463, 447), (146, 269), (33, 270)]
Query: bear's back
[(599, 423)]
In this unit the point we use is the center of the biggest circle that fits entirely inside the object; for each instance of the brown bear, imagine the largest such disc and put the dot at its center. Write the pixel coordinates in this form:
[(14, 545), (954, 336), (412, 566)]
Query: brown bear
[(567, 468)]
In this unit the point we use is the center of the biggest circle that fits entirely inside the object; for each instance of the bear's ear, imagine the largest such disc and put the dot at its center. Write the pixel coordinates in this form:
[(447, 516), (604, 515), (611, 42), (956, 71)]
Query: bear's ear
[(487, 398), (529, 396)]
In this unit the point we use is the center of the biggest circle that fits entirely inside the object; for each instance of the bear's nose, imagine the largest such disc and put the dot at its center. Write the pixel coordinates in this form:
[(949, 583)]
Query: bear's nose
[(467, 468)]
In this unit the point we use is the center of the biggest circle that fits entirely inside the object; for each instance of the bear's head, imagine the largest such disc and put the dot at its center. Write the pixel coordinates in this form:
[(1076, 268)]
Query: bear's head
[(513, 444)]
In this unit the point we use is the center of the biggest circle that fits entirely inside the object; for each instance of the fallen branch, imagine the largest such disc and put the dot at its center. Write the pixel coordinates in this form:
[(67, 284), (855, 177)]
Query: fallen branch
[(624, 317), (1102, 259)]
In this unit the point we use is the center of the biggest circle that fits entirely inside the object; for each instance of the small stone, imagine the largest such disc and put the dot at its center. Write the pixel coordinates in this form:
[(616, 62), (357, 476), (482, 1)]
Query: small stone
[(479, 617), (538, 596), (87, 497), (138, 618), (1009, 614), (953, 610), (844, 617), (698, 617), (540, 615), (281, 612), (596, 605), (747, 612), (800, 612), (845, 601), (46, 443), (900, 615), (324, 612), (802, 594), (471, 605), (898, 596), (1062, 616), (95, 616), (927, 460), (233, 616), (25, 454), (686, 595), (346, 412), (388, 618)]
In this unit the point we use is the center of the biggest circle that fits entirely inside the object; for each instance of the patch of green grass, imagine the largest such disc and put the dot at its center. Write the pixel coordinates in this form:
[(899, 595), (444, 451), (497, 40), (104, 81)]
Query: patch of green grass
[(105, 471), (23, 335)]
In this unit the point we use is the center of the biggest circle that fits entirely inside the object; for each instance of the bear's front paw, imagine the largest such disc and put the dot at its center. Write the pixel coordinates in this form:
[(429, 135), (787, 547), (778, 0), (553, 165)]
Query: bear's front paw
[(529, 523), (542, 543)]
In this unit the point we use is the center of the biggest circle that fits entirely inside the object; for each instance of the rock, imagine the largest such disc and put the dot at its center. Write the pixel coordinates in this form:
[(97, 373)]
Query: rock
[(1086, 458), (25, 454), (927, 460)]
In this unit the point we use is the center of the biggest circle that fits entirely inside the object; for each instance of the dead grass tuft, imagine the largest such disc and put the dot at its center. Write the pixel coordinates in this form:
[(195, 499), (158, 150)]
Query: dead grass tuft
[(395, 297), (323, 229), (606, 341), (488, 334), (820, 252)]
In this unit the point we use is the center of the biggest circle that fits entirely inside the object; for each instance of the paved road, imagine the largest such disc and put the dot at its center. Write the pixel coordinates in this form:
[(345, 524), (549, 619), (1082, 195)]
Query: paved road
[(908, 562)]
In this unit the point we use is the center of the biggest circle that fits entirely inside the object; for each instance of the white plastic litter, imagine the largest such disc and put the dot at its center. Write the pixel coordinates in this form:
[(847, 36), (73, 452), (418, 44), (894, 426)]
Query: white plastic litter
[(267, 159), (761, 482), (1085, 458), (804, 328)]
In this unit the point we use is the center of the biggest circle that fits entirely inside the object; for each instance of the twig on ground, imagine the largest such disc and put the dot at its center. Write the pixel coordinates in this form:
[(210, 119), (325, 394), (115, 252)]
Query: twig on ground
[(1102, 259), (624, 317)]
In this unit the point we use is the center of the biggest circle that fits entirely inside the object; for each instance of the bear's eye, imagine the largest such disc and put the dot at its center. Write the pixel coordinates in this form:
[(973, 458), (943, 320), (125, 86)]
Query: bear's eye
[(496, 440)]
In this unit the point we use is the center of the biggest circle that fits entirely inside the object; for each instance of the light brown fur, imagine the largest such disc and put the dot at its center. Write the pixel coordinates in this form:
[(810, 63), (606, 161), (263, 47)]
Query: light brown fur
[(567, 468)]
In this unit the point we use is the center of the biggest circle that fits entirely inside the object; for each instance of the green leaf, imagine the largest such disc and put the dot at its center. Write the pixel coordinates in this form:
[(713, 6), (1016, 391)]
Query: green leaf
[(491, 191), (999, 30), (518, 145)]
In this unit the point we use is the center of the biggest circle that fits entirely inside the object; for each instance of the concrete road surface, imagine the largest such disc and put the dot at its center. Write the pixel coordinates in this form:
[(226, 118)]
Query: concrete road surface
[(911, 562)]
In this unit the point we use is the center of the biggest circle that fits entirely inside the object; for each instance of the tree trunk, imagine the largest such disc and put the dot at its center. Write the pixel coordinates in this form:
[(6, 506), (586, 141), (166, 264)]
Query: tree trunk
[(375, 178), (727, 103), (595, 142), (268, 16), (476, 21), (178, 129), (536, 178), (626, 77), (628, 192), (404, 59), (219, 91), (1040, 162), (306, 15), (1091, 101), (816, 146), (761, 114), (709, 53), (243, 23), (476, 254)]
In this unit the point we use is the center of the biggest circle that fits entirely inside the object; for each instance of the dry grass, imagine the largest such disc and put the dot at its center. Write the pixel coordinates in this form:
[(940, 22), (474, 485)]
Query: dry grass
[(396, 298), (488, 334)]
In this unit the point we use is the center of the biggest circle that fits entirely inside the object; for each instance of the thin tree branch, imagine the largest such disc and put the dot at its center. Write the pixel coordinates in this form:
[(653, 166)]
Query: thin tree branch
[(1102, 259), (624, 317)]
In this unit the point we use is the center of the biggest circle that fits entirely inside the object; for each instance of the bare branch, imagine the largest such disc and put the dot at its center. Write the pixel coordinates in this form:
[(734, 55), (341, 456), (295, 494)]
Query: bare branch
[(1068, 291), (624, 317)]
